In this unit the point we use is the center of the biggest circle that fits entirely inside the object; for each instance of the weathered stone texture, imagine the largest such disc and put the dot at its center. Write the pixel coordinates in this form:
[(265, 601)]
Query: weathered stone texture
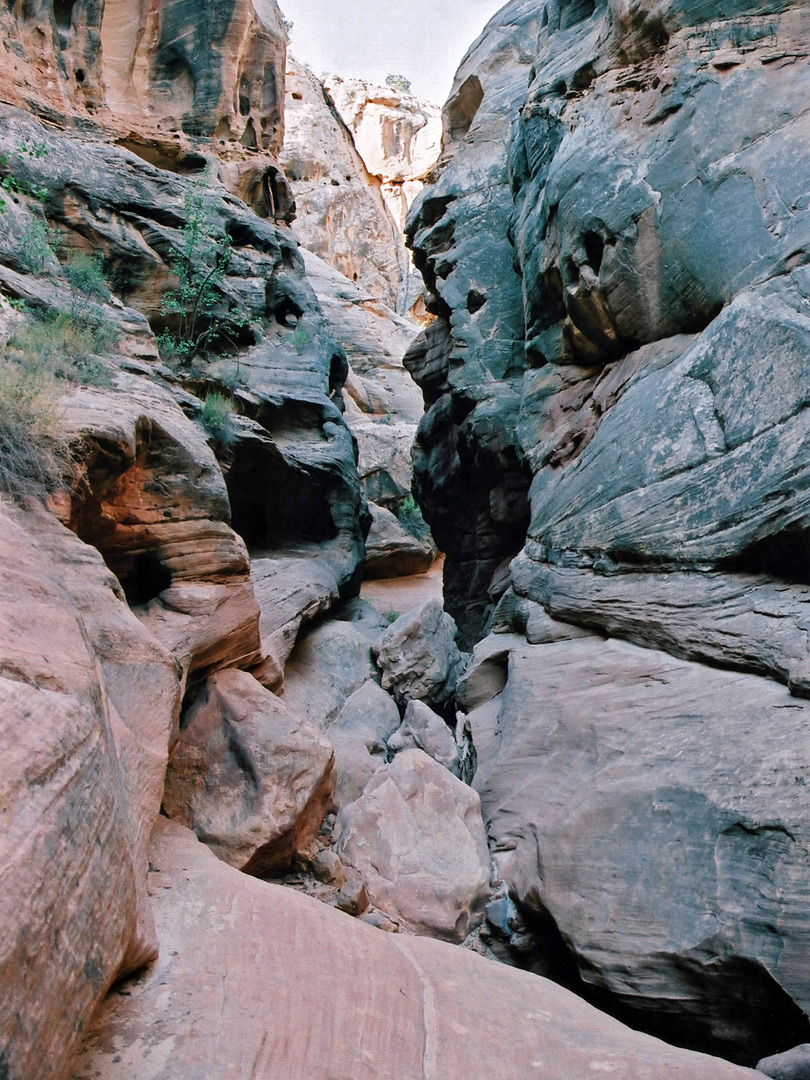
[(654, 810), (86, 734)]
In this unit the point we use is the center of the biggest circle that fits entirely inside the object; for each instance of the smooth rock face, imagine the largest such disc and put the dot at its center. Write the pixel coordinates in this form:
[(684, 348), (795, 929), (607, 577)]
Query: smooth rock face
[(417, 840), (682, 787), (457, 1015), (252, 780), (423, 729), (418, 657), (79, 790)]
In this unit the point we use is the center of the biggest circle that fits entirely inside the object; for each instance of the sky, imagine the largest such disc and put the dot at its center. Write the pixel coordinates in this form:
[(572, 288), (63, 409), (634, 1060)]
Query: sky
[(424, 40)]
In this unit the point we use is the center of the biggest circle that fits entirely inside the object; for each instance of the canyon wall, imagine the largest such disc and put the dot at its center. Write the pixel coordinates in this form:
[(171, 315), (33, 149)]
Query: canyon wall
[(616, 392)]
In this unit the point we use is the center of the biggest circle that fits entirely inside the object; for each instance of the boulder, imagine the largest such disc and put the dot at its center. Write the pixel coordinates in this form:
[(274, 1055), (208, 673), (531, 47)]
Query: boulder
[(290, 592), (359, 734), (418, 657), (416, 839), (791, 1065), (252, 779), (463, 1015), (329, 663), (682, 787), (423, 729), (394, 551)]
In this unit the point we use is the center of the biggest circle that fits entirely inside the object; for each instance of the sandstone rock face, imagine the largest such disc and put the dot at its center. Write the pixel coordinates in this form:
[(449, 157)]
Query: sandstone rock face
[(399, 138), (164, 82), (251, 779), (417, 840), (418, 656), (470, 362), (455, 1013), (81, 783), (680, 786), (341, 215), (661, 417)]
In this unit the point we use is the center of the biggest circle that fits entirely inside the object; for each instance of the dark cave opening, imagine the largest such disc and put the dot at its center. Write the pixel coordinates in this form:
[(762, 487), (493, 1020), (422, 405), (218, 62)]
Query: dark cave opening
[(276, 505), (785, 556)]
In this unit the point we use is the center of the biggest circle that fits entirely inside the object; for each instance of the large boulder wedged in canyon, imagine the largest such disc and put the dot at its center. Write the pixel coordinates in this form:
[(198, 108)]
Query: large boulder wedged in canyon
[(653, 810), (252, 779), (416, 839), (356, 1002), (470, 364), (89, 700), (418, 657), (392, 550)]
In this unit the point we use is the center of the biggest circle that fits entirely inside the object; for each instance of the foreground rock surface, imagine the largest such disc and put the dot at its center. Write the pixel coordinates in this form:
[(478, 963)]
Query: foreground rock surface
[(457, 1016), (683, 787)]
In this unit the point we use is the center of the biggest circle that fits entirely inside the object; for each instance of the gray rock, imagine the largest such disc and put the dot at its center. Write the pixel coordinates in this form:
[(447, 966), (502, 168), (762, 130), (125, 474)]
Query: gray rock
[(654, 809), (791, 1065), (418, 657), (417, 840), (470, 363)]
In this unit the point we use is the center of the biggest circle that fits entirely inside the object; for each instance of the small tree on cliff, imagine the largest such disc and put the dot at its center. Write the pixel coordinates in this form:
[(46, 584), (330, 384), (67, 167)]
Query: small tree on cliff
[(399, 83), (200, 270)]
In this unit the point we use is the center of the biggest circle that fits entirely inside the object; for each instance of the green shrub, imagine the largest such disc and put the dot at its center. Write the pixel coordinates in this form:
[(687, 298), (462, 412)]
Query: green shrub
[(63, 346), (300, 340), (34, 460), (217, 417), (410, 517), (38, 245), (398, 82), (200, 270)]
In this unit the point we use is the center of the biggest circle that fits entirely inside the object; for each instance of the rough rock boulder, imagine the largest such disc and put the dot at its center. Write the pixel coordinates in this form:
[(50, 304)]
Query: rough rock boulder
[(417, 840), (253, 780), (418, 656)]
